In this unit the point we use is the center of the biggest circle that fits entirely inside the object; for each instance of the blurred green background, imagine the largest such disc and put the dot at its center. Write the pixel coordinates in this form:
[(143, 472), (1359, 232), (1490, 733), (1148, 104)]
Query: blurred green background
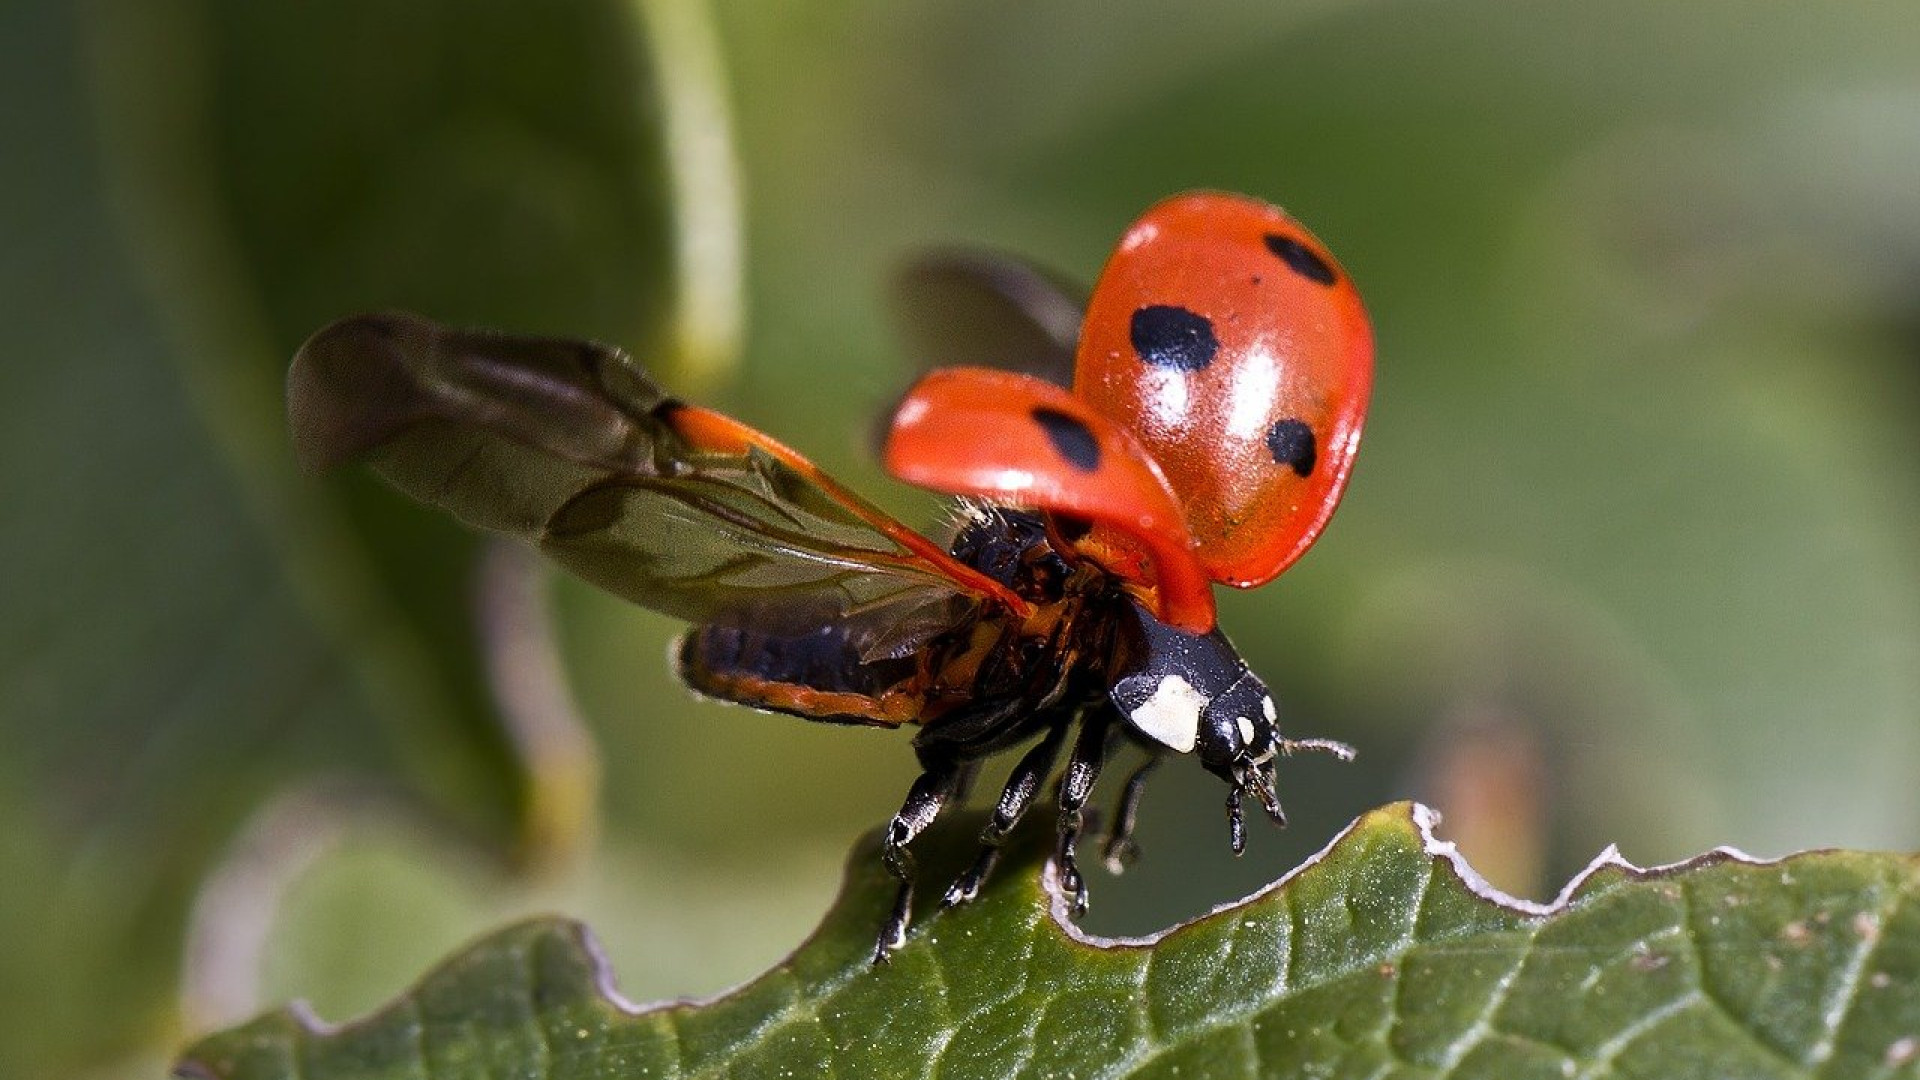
[(1632, 554)]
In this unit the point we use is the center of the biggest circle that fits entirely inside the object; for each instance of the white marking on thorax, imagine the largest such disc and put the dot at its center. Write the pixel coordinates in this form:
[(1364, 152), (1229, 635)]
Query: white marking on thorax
[(1246, 730), (1171, 715)]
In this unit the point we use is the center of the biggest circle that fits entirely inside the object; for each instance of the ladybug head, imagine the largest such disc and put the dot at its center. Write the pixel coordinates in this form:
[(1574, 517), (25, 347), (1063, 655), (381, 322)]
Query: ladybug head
[(1193, 693)]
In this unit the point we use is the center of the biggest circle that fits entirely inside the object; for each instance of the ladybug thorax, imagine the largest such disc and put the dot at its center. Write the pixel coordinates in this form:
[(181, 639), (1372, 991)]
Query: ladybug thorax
[(1176, 690), (1191, 692)]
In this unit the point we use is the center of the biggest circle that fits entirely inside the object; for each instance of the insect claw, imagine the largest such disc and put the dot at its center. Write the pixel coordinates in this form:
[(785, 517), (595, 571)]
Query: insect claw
[(1120, 850), (893, 932), (967, 886), (1073, 887)]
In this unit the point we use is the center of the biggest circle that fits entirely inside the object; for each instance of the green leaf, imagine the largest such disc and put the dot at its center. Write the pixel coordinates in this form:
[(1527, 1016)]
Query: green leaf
[(1385, 956)]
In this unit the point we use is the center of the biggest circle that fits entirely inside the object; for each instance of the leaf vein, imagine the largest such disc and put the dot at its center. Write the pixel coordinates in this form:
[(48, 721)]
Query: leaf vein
[(949, 1024), (1476, 1032), (1693, 933), (1607, 1052), (1146, 1055), (1835, 1011), (797, 1010)]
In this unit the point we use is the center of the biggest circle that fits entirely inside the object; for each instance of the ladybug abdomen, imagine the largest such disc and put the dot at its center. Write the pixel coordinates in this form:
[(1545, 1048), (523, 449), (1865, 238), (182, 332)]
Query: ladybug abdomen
[(820, 676)]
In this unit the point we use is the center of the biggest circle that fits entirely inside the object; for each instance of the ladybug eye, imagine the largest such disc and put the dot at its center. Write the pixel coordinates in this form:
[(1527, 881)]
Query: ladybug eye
[(1070, 438), (1292, 444), (1166, 336), (1300, 258)]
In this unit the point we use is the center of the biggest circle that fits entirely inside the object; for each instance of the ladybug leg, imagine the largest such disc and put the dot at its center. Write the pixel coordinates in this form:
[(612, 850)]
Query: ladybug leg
[(1121, 850), (1237, 819), (942, 775), (1022, 785), (1076, 784)]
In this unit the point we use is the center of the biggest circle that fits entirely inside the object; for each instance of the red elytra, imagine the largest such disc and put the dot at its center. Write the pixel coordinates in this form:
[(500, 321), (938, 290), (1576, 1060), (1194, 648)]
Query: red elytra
[(1237, 352), (1049, 448), (1225, 348)]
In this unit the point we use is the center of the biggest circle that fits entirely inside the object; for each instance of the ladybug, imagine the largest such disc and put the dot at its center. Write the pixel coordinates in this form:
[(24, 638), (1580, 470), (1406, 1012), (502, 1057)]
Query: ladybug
[(1196, 426)]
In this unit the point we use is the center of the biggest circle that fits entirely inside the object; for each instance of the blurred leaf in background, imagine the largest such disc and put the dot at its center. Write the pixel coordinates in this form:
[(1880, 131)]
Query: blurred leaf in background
[(1640, 486)]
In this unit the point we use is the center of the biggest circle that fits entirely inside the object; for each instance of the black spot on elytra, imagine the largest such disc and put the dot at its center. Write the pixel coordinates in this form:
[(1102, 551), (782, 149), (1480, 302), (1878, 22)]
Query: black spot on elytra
[(1070, 438), (1302, 259), (1173, 337), (1292, 444)]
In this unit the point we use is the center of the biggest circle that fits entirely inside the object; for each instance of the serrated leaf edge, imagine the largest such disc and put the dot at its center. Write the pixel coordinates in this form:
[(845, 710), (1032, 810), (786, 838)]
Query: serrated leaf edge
[(1425, 821)]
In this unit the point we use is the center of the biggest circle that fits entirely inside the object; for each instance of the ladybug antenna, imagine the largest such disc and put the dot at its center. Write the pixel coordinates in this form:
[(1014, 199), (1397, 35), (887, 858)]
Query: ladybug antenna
[(1320, 746)]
